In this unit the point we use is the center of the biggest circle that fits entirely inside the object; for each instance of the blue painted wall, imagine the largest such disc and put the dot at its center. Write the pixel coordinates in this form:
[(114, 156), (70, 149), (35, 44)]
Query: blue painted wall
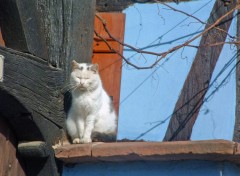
[(175, 168), (149, 96)]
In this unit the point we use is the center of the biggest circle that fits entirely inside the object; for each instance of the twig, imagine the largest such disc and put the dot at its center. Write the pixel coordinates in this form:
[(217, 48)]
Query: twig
[(162, 54)]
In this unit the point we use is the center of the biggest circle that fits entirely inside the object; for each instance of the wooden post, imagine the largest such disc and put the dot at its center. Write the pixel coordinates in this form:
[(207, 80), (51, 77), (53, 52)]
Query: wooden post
[(41, 40), (79, 29), (197, 82), (119, 5), (236, 135)]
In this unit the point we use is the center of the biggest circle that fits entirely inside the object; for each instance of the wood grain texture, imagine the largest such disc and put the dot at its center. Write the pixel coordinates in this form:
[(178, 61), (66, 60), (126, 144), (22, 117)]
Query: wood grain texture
[(120, 5), (9, 164), (79, 29), (37, 88), (52, 33), (236, 134), (32, 102), (214, 150), (11, 26), (51, 19), (56, 31), (21, 28), (197, 82)]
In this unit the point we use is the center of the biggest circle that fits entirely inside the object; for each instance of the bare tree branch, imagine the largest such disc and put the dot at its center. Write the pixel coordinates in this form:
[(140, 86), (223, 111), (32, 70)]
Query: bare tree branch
[(164, 54), (191, 16), (199, 76)]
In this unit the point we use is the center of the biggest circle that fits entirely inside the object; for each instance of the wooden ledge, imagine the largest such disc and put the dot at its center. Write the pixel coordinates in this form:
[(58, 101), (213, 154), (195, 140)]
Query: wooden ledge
[(215, 150)]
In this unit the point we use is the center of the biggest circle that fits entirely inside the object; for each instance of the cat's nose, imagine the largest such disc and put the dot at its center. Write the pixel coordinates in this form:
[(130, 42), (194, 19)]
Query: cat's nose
[(81, 83)]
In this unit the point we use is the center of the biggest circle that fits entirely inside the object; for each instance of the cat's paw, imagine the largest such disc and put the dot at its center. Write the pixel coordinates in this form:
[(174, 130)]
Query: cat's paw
[(85, 140), (76, 141)]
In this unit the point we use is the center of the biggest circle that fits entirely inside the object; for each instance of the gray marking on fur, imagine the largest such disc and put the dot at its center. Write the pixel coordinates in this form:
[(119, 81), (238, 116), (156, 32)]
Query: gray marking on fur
[(111, 104)]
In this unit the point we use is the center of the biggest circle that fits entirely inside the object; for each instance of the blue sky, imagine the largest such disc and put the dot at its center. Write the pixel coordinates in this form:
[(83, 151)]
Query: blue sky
[(149, 96)]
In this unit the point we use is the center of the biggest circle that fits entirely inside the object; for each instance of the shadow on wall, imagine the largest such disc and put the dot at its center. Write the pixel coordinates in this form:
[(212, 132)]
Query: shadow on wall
[(172, 168)]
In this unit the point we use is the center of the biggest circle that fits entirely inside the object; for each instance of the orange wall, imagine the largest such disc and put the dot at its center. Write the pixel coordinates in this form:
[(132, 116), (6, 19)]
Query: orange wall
[(1, 39)]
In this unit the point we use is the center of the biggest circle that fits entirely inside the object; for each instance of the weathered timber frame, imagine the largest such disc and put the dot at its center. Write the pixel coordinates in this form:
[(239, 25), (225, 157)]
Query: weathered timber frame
[(198, 80), (119, 5), (236, 135), (42, 37), (197, 83)]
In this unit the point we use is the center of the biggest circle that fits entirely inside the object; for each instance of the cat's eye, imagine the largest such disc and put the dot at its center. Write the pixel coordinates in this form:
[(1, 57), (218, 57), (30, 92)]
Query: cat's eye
[(83, 78)]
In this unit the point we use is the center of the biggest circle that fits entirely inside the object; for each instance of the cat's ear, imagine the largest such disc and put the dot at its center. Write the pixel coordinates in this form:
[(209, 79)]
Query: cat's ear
[(74, 65), (94, 68)]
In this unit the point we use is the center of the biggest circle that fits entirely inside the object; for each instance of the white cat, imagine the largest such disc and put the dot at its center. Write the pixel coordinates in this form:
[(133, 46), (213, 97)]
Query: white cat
[(91, 114)]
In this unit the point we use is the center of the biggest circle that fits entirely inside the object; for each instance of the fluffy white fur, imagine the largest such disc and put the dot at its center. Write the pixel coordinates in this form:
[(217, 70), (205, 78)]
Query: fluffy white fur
[(91, 109)]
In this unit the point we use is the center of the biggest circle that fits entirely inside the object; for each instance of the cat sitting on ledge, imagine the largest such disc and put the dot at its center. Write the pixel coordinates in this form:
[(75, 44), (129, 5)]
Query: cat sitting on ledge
[(91, 116)]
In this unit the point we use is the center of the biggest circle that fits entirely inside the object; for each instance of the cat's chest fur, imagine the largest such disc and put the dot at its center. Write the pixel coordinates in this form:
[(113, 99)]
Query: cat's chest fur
[(91, 115), (85, 103)]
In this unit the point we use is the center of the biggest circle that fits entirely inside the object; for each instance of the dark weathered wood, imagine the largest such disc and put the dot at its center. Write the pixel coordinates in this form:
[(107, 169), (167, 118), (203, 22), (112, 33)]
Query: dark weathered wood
[(21, 28), (120, 5), (77, 37), (36, 87), (10, 163), (51, 17), (197, 82), (39, 158), (69, 27), (32, 102), (9, 16), (41, 166), (79, 29), (33, 149), (236, 134), (58, 31)]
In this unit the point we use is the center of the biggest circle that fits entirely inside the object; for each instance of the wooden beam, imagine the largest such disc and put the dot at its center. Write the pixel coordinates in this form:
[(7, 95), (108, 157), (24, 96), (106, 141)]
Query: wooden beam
[(79, 29), (236, 135), (197, 82), (54, 33), (21, 28), (32, 103), (213, 150), (120, 5), (37, 87), (10, 163), (9, 16), (53, 30)]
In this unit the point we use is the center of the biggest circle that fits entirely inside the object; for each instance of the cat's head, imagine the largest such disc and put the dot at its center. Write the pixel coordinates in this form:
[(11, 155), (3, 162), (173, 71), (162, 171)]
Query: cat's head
[(85, 76)]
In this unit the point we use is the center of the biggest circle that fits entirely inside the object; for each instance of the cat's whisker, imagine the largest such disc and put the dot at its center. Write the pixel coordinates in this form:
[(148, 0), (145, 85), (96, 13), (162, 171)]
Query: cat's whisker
[(91, 116), (68, 87)]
